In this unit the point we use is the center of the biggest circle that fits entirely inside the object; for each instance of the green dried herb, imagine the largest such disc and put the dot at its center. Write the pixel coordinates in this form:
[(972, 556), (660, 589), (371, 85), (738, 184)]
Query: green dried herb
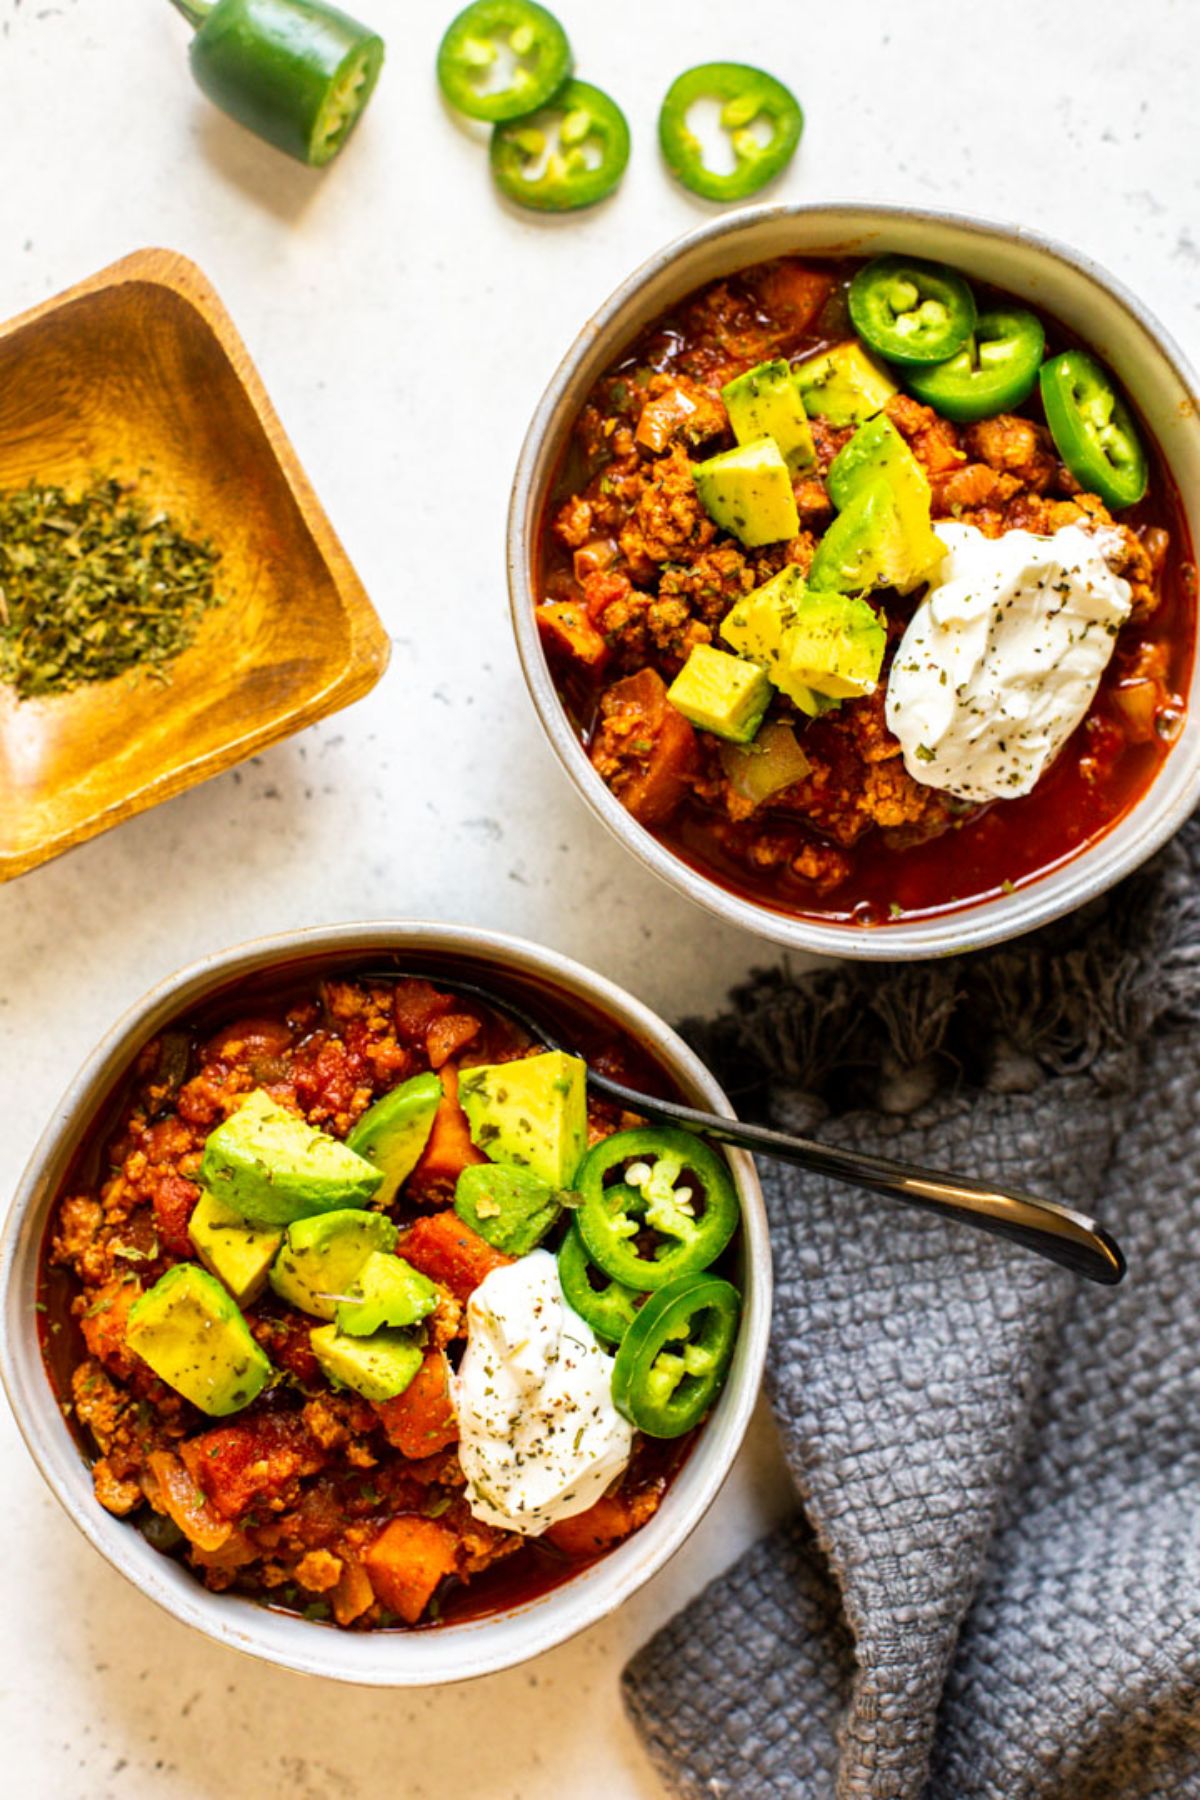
[(92, 585)]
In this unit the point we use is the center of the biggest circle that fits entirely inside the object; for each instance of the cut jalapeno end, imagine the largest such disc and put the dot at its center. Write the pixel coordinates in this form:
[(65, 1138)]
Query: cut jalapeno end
[(1093, 429), (343, 104), (675, 1355), (685, 1211), (572, 152), (752, 104), (501, 59), (995, 370), (910, 311)]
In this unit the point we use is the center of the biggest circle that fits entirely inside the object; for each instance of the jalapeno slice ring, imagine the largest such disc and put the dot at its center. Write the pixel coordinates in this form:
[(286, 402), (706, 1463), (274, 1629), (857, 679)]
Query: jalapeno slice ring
[(691, 1219), (476, 40), (911, 311), (675, 1356), (995, 370), (1093, 429), (608, 1307), (746, 95), (570, 153)]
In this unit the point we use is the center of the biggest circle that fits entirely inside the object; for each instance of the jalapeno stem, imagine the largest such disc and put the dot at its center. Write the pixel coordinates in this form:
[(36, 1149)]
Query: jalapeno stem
[(194, 11)]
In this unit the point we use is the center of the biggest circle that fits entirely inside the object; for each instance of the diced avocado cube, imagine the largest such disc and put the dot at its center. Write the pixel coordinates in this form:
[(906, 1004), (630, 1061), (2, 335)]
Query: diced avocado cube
[(235, 1252), (765, 402), (377, 1367), (530, 1113), (322, 1256), (393, 1133), (844, 385), (386, 1291), (868, 546), (758, 626), (194, 1338), (512, 1208), (878, 451), (749, 491), (836, 646), (273, 1167), (721, 693)]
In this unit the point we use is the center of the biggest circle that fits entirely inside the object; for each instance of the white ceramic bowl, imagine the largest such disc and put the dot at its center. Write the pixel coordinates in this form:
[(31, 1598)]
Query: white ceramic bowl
[(1109, 318), (384, 1659)]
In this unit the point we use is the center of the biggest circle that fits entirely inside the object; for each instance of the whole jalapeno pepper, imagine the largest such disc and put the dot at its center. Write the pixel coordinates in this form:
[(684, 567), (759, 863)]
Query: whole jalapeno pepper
[(746, 95), (675, 1355), (473, 44), (911, 311), (570, 153), (994, 371), (687, 1206), (1093, 429), (295, 72), (608, 1306)]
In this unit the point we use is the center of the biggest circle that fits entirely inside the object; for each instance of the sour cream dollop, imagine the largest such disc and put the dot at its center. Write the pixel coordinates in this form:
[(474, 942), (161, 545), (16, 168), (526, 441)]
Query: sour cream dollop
[(539, 1436), (1003, 657)]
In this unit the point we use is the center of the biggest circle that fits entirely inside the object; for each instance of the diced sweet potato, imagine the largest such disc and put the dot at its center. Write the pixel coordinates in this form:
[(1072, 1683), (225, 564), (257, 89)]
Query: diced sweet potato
[(258, 1459), (612, 1518), (645, 750), (174, 1200), (449, 1034), (407, 1561), (449, 1150), (793, 293), (421, 1419), (415, 1005), (567, 631), (353, 1593), (448, 1251)]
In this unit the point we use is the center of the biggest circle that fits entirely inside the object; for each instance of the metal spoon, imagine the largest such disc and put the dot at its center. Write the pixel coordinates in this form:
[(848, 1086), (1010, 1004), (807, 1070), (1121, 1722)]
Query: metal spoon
[(1057, 1232)]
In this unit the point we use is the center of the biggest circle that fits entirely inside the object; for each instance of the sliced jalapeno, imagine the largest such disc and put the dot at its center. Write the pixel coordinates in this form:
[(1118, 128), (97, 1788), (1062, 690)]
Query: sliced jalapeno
[(515, 32), (911, 311), (748, 97), (571, 153), (995, 370), (687, 1208), (608, 1306), (675, 1355), (1093, 429)]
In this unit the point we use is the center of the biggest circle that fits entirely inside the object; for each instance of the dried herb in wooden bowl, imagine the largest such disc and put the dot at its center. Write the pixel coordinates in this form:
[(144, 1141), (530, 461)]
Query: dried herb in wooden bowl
[(93, 584)]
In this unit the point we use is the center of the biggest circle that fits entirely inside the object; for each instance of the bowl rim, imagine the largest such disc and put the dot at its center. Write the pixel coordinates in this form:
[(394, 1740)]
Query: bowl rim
[(471, 1648), (1127, 843)]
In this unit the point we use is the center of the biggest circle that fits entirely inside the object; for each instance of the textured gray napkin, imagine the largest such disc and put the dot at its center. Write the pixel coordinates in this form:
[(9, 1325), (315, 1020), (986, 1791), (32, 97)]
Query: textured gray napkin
[(992, 1588)]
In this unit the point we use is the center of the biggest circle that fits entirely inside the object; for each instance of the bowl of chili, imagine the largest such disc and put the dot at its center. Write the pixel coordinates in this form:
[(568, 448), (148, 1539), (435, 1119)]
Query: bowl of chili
[(334, 1019), (1024, 390)]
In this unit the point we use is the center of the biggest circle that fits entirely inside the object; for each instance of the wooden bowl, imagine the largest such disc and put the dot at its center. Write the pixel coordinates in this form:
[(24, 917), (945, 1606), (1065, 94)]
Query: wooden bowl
[(139, 372)]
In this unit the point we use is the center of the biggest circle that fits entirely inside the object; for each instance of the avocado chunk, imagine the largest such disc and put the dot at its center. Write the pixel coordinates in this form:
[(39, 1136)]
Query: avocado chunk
[(878, 451), (844, 385), (393, 1133), (194, 1338), (273, 1167), (749, 491), (322, 1256), (721, 693), (386, 1291), (531, 1113), (238, 1254), (870, 546), (377, 1367), (512, 1208), (759, 627), (766, 402), (837, 645)]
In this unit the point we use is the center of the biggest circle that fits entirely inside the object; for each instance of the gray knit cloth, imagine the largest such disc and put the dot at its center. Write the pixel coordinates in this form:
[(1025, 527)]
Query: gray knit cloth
[(992, 1588)]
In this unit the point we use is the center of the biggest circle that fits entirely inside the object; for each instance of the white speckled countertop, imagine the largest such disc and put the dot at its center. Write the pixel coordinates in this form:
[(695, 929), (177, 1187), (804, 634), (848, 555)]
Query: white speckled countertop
[(404, 323)]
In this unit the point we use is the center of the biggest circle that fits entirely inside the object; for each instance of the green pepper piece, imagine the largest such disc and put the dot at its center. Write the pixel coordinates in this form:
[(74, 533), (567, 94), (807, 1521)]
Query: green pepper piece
[(994, 371), (572, 152), (746, 95), (534, 42), (691, 1219), (675, 1356), (911, 311), (608, 1307), (296, 72), (1093, 428), (512, 1208)]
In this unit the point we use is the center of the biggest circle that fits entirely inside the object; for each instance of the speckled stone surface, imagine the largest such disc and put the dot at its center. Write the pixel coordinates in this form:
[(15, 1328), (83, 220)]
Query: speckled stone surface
[(404, 322)]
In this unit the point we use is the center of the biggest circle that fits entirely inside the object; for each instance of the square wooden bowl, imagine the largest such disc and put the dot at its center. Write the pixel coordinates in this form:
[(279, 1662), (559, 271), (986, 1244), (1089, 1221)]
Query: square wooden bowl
[(139, 372)]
